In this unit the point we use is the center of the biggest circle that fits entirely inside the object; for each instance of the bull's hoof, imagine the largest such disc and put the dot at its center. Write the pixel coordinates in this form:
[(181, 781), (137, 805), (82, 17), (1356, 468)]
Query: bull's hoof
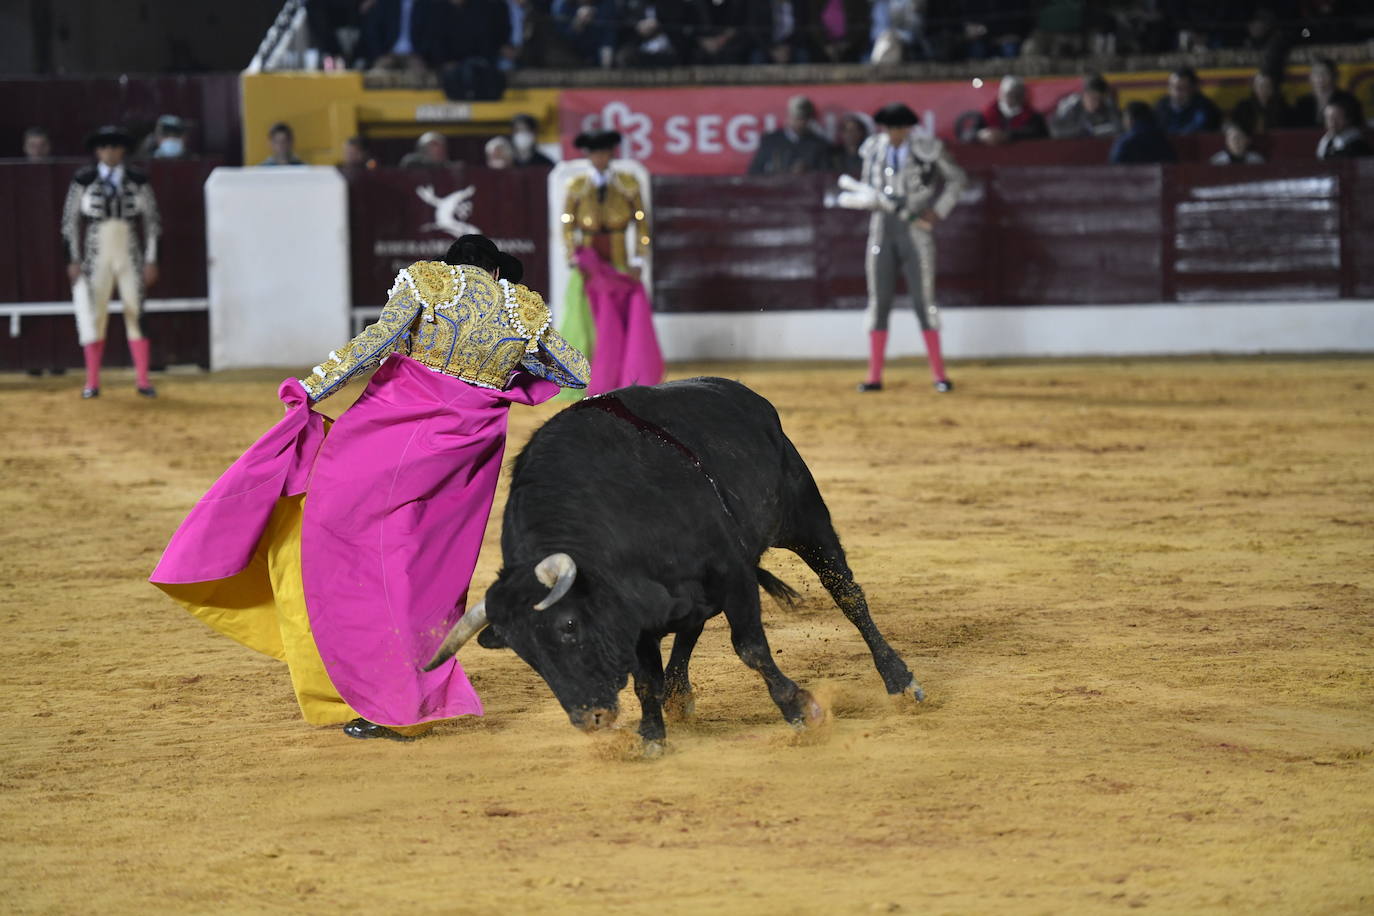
[(812, 713), (680, 707), (653, 749), (914, 691)]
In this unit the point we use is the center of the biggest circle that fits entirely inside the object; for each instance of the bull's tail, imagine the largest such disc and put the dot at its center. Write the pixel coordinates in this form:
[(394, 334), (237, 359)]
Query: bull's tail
[(783, 593)]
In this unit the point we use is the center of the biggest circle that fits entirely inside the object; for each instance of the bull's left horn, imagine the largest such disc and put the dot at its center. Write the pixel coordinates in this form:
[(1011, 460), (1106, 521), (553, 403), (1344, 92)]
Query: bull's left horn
[(556, 571), (467, 627)]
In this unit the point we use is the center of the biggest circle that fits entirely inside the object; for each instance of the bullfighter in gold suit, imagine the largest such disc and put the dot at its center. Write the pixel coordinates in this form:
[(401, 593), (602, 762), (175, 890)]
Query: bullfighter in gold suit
[(606, 238)]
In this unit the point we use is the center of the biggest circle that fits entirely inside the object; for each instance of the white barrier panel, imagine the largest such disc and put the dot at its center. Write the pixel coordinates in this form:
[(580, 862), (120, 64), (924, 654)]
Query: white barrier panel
[(277, 251), (1033, 331)]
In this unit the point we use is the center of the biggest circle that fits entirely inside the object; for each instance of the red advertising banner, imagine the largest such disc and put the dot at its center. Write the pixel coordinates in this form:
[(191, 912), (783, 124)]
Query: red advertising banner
[(400, 216), (715, 131)]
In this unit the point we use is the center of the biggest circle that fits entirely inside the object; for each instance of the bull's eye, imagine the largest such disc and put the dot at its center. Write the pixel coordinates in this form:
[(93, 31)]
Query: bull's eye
[(567, 629)]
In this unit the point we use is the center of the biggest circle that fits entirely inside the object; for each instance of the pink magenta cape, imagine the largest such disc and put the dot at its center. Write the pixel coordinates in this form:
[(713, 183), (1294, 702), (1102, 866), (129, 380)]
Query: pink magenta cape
[(397, 499), (626, 350)]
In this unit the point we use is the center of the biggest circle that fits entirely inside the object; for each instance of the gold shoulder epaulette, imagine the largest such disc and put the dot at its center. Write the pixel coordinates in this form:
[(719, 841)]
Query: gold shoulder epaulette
[(433, 281), (525, 312)]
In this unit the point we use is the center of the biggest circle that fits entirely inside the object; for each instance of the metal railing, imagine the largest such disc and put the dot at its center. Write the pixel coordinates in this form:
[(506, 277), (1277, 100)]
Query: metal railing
[(287, 40)]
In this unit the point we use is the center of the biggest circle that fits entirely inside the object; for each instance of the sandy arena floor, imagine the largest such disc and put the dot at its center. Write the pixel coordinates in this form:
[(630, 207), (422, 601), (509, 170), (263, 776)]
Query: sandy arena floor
[(1138, 594)]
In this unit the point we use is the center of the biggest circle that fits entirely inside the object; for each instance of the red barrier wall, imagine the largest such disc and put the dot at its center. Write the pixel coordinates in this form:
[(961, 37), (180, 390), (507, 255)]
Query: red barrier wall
[(1023, 235)]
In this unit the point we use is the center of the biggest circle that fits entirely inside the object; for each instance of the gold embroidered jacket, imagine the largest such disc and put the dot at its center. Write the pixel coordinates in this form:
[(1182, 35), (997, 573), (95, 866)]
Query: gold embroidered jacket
[(462, 322), (587, 211)]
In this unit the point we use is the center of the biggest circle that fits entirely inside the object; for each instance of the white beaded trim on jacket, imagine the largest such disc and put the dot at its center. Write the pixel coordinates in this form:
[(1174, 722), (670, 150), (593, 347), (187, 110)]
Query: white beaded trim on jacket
[(513, 316)]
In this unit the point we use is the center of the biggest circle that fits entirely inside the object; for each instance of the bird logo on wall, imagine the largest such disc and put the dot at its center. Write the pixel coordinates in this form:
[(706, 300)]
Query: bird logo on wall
[(451, 212)]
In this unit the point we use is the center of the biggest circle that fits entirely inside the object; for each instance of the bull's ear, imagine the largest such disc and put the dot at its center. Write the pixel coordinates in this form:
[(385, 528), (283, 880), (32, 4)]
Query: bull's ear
[(490, 638)]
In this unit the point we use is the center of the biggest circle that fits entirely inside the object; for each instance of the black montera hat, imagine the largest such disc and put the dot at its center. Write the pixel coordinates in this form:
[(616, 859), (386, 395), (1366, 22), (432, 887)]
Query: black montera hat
[(509, 264), (593, 140), (895, 114), (109, 135)]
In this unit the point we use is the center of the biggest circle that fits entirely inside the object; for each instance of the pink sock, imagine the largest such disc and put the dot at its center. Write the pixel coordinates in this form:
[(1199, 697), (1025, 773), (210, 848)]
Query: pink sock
[(138, 349), (877, 352), (937, 365), (94, 354)]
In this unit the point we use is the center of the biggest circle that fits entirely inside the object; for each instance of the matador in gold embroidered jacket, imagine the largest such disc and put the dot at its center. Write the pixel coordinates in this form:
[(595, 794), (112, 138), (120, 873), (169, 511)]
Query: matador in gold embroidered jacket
[(597, 212), (462, 322)]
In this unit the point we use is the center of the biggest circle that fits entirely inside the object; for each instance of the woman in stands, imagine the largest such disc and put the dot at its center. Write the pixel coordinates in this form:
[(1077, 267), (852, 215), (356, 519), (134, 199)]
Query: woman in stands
[(346, 550)]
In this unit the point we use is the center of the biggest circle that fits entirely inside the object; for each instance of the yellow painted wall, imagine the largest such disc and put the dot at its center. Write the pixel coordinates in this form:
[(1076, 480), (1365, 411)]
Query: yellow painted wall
[(324, 109)]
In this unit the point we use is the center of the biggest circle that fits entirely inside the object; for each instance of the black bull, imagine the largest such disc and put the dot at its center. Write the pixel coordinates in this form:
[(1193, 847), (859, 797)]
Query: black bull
[(645, 512)]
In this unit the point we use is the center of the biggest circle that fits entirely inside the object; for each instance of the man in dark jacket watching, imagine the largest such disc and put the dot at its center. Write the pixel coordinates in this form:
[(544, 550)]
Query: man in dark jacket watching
[(1185, 110), (794, 148)]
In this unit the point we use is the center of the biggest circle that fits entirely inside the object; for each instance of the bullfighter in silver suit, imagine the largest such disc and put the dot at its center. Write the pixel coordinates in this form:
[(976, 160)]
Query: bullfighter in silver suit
[(908, 182), (107, 198)]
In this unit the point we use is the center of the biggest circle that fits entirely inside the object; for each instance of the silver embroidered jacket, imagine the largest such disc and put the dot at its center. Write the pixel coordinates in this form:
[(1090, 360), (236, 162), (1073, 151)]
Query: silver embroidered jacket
[(923, 177), (93, 201)]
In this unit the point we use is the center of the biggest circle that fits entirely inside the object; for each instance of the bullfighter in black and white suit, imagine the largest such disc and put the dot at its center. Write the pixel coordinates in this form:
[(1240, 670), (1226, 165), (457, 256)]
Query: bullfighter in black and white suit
[(108, 197), (909, 182)]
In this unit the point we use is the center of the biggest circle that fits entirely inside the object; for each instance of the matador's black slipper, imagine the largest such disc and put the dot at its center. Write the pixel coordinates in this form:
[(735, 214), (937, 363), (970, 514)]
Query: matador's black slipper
[(870, 386), (88, 393), (361, 728)]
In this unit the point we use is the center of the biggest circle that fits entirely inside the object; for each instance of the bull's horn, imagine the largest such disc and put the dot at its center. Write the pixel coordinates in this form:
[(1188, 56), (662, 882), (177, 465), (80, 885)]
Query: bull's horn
[(467, 627), (556, 571)]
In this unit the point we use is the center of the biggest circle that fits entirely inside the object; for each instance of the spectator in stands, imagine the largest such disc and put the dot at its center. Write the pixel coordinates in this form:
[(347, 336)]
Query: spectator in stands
[(1265, 108), (1185, 110), (1009, 117), (720, 32), (37, 145), (335, 30), (781, 31), (853, 132), (355, 156), (1344, 138), (795, 147), (283, 142), (465, 49), (655, 35), (1059, 30), (898, 32), (500, 154), (992, 28), (589, 28), (1237, 148), (1090, 112), (431, 152), (522, 25), (395, 33), (524, 140), (842, 28), (1264, 34), (1310, 109), (168, 139), (1143, 141)]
